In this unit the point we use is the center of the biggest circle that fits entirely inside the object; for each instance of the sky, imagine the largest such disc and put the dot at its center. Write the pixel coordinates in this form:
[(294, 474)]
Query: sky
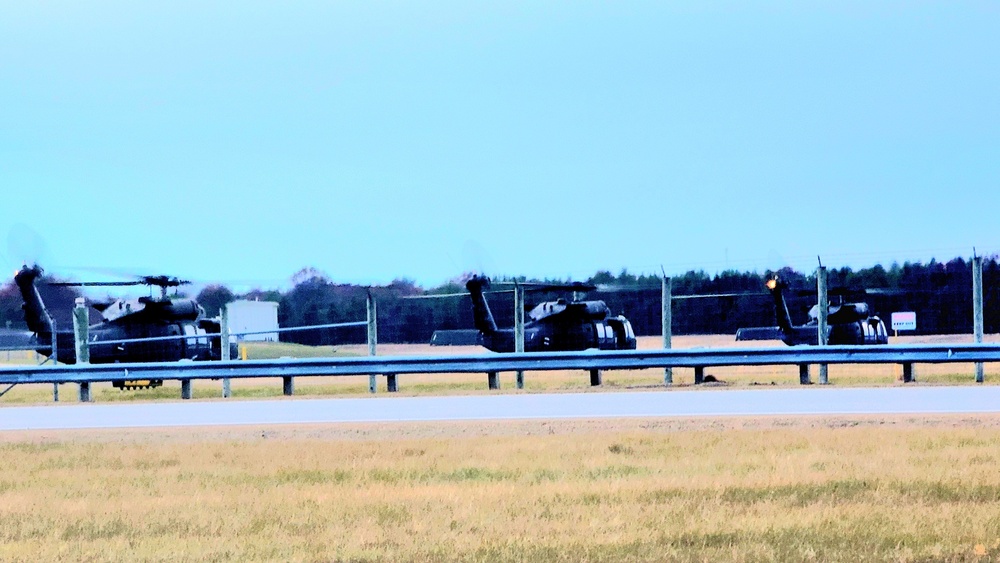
[(240, 142)]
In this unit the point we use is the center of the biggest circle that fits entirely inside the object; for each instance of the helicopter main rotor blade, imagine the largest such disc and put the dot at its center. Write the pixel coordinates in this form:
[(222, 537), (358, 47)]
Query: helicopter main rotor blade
[(95, 284), (163, 281), (543, 286), (710, 295), (457, 294), (435, 295)]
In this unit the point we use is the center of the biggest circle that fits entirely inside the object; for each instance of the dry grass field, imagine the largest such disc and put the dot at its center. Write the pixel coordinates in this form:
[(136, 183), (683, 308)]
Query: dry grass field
[(769, 489), (578, 381)]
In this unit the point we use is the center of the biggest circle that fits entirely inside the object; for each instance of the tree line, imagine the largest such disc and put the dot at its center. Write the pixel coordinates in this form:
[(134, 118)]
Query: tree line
[(939, 292)]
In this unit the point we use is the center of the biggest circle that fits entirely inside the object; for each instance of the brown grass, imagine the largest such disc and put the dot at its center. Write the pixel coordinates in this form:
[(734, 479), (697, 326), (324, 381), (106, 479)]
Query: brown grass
[(840, 489)]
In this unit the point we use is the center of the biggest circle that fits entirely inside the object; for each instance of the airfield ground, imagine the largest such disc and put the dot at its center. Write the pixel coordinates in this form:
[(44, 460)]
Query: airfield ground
[(899, 488), (845, 488), (554, 381)]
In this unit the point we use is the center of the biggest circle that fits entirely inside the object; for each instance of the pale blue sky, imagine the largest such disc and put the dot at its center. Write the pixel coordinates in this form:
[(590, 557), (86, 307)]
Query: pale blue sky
[(242, 141)]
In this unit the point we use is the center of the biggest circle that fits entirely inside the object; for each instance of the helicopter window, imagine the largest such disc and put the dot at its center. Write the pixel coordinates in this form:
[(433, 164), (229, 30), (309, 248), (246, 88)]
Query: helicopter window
[(189, 331), (197, 336)]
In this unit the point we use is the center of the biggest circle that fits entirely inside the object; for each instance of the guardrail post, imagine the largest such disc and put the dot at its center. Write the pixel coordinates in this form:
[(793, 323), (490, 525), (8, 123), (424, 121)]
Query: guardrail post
[(390, 382), (227, 390), (667, 324), (804, 374), (288, 385), (372, 339), (84, 391), (493, 379), (80, 337), (185, 389), (595, 377), (908, 372), (55, 392), (977, 309), (519, 328), (699, 375), (821, 326)]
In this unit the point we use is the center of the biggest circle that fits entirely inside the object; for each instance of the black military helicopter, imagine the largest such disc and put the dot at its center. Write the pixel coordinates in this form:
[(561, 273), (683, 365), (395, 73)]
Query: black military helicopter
[(553, 325), (141, 318), (847, 323)]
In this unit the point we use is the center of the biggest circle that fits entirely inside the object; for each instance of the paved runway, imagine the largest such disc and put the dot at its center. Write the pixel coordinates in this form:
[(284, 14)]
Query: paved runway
[(686, 403)]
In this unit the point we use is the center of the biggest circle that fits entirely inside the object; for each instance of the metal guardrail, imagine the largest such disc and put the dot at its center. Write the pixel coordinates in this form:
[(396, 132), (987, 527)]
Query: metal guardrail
[(186, 371)]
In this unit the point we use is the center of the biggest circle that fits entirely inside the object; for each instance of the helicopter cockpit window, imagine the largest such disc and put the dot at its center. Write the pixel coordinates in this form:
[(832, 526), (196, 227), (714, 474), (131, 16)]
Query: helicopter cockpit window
[(189, 331), (197, 336)]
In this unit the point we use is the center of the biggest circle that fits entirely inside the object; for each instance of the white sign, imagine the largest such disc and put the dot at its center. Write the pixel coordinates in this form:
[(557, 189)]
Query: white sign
[(904, 321)]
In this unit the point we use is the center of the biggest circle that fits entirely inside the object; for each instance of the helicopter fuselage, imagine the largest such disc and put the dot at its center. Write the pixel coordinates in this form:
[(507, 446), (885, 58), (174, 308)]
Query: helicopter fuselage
[(554, 326), (847, 323), (179, 325)]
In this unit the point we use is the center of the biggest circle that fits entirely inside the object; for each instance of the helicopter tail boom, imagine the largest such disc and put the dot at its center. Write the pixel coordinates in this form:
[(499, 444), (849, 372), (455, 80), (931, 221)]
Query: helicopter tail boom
[(480, 309), (784, 318), (35, 314)]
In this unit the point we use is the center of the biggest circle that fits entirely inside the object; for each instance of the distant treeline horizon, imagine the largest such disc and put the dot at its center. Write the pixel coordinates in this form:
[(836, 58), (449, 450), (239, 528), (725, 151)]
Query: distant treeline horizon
[(939, 292)]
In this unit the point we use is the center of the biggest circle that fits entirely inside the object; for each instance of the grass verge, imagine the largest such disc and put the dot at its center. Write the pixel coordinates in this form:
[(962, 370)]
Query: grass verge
[(704, 492)]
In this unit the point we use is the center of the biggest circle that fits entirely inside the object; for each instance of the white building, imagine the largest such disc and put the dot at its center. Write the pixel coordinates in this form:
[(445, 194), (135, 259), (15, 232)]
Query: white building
[(252, 316)]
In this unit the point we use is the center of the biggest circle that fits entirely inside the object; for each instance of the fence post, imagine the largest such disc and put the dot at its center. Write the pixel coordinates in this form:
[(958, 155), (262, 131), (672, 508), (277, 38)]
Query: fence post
[(977, 309), (821, 326), (667, 329), (227, 390), (372, 339), (54, 356), (519, 327), (80, 336)]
